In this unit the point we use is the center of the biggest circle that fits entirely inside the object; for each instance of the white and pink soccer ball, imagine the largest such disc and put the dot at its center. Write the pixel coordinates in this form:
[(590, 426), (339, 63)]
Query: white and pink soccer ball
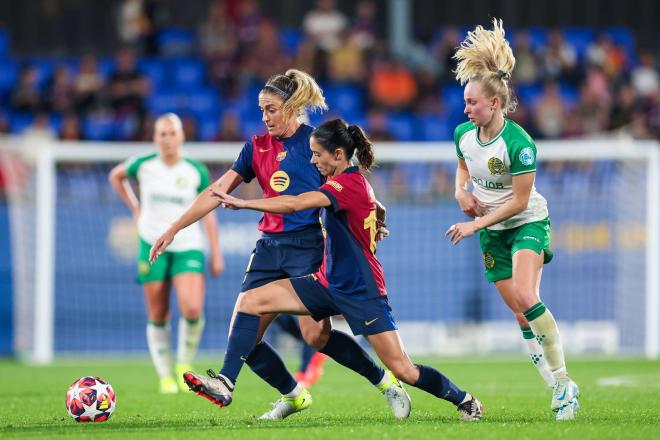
[(90, 399)]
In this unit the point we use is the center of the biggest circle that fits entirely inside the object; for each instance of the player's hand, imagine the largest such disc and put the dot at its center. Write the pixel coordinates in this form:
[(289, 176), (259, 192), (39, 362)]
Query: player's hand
[(227, 201), (470, 205), (160, 245), (217, 264), (459, 231), (381, 230)]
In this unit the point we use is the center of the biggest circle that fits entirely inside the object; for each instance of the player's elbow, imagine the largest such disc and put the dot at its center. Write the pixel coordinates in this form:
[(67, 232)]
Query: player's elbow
[(294, 205)]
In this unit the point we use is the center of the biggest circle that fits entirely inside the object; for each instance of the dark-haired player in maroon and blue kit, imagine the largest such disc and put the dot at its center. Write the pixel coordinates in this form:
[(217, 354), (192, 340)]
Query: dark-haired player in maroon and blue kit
[(291, 243), (349, 282)]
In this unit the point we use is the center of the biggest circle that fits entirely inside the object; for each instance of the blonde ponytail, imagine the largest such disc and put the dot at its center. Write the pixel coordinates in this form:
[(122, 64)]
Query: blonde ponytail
[(485, 56), (299, 91)]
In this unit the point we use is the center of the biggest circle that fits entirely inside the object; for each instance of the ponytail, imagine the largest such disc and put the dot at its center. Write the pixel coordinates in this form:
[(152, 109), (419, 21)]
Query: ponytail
[(364, 149), (336, 133), (298, 90)]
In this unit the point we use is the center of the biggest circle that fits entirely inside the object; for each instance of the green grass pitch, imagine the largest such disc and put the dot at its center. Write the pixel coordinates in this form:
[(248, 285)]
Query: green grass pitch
[(620, 399)]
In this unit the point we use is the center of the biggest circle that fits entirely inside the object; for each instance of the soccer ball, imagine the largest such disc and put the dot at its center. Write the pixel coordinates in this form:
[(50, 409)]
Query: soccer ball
[(90, 399)]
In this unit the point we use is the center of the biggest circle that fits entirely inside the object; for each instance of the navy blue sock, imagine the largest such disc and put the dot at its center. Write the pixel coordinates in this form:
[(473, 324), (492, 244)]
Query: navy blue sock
[(347, 352), (306, 356), (268, 365), (242, 340), (434, 382)]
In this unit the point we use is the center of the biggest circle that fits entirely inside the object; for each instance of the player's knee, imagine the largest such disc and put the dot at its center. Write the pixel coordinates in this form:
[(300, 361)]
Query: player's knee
[(522, 321), (253, 303), (315, 337), (192, 312)]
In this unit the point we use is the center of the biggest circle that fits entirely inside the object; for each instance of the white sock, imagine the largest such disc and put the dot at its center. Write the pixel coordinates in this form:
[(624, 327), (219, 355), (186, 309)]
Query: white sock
[(295, 392), (536, 355), (547, 334), (467, 398), (158, 340), (190, 332)]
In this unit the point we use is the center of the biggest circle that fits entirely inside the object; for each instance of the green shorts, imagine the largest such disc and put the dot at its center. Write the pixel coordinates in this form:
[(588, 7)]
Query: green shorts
[(168, 265), (498, 247)]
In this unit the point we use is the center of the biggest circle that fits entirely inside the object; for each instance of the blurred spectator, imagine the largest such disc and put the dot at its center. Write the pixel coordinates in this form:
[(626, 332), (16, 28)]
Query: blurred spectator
[(247, 22), (638, 127), (527, 62), (443, 50), (363, 26), (623, 108), (559, 59), (377, 127), (609, 57), (645, 77), (392, 86), (59, 91), (219, 43), (230, 128), (549, 111), (70, 130), (324, 26), (190, 128), (26, 97), (88, 85), (428, 102), (127, 87), (136, 25), (265, 57), (40, 130), (346, 61), (592, 110), (4, 124)]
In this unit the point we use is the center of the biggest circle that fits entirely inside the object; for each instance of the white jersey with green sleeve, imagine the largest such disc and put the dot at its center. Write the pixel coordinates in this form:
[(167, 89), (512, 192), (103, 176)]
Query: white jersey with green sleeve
[(492, 166), (165, 193)]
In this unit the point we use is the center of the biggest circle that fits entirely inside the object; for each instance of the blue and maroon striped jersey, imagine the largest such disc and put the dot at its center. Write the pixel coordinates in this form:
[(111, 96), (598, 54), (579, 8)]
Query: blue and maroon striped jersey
[(282, 167), (349, 263)]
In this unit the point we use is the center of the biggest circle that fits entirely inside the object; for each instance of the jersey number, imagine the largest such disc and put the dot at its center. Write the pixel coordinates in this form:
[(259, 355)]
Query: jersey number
[(370, 223)]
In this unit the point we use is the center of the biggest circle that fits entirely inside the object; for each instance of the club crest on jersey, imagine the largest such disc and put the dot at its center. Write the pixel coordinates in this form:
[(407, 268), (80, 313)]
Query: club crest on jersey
[(279, 181), (489, 261), (181, 182), (280, 156), (495, 166), (526, 156)]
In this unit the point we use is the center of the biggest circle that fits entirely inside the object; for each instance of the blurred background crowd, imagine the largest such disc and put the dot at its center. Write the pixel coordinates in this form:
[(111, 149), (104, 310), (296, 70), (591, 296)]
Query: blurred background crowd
[(571, 81)]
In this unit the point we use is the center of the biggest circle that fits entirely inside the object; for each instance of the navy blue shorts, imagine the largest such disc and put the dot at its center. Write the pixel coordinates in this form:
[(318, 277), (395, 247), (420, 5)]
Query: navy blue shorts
[(368, 316), (284, 255)]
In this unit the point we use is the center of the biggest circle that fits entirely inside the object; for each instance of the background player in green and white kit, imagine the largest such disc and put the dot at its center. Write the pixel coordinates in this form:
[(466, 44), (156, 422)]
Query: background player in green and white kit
[(499, 158), (168, 184)]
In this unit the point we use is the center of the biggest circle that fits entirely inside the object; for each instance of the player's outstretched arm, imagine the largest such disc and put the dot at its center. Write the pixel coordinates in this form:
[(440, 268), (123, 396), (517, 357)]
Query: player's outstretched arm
[(203, 204), (276, 205)]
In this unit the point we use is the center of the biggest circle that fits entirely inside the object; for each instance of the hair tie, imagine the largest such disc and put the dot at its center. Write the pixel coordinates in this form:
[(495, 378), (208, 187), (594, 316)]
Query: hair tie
[(286, 95), (500, 73)]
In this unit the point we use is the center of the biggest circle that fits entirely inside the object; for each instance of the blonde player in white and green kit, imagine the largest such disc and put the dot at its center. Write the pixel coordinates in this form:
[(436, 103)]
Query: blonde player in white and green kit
[(498, 158), (168, 184)]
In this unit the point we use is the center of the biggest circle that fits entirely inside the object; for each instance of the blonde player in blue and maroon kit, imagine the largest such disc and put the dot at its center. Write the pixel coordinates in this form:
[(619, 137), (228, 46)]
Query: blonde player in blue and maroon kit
[(291, 243), (350, 280)]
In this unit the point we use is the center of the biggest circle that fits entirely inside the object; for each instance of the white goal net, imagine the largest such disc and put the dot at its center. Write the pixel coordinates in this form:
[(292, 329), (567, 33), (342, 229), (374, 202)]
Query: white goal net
[(74, 248)]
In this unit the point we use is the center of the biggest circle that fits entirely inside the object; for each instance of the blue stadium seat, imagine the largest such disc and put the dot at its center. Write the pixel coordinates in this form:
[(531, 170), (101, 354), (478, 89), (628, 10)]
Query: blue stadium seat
[(187, 73), (44, 68), (623, 37), (208, 126), (18, 122), (569, 94), (154, 69), (452, 97), (176, 42), (529, 94), (8, 75), (200, 102), (99, 127), (580, 38), (403, 127), (106, 66), (165, 101), (290, 38), (538, 37), (436, 128), (251, 127), (345, 99)]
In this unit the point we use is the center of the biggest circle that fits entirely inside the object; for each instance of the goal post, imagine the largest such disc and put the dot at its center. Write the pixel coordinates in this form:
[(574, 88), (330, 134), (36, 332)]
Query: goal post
[(606, 232)]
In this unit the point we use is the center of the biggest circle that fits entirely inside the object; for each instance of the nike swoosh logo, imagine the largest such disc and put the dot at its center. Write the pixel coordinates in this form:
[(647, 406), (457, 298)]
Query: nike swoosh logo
[(563, 395), (263, 150), (243, 358), (367, 323)]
